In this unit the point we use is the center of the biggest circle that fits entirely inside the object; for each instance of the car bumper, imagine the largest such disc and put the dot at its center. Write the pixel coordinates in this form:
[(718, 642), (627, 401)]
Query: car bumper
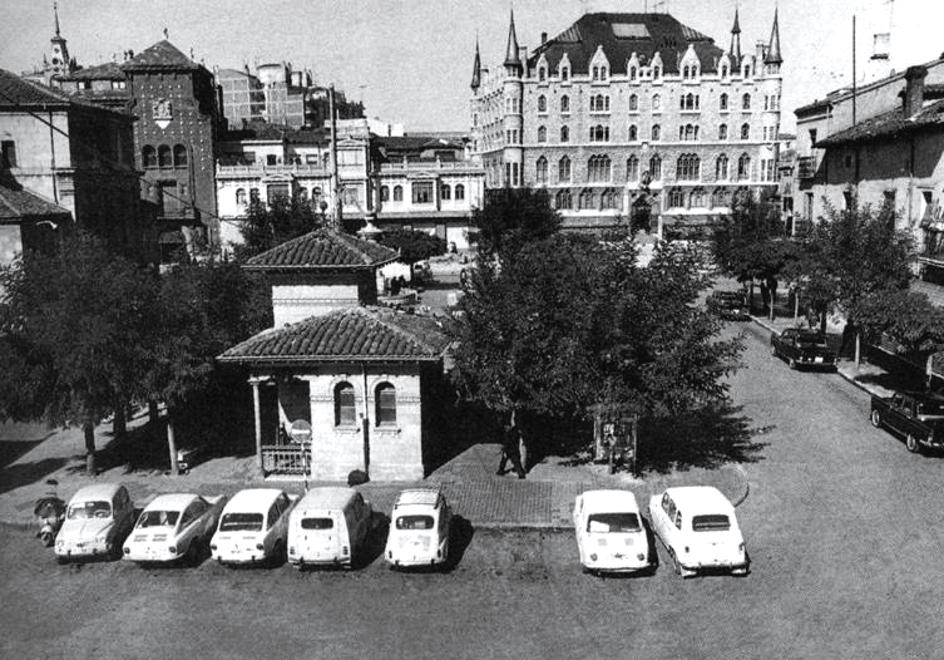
[(407, 562), (319, 561), (240, 559), (144, 555), (739, 566), (84, 552), (614, 567)]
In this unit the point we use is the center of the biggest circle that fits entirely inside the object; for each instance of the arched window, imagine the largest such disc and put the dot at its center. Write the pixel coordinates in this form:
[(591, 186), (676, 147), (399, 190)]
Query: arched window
[(563, 169), (687, 167), (633, 103), (599, 133), (721, 168), (598, 168), (655, 168), (719, 198), (723, 132), (542, 134), (632, 168), (633, 133), (698, 198), (565, 73), (180, 155), (745, 131), (542, 102), (587, 199), (344, 405), (540, 170), (724, 71), (445, 191), (596, 73), (149, 157), (384, 193), (164, 158), (656, 72), (565, 103), (656, 103), (656, 132), (253, 195), (744, 168), (542, 73), (564, 199), (398, 193), (565, 134), (676, 198), (385, 400), (632, 73), (240, 197), (723, 102), (460, 191), (610, 199), (746, 102)]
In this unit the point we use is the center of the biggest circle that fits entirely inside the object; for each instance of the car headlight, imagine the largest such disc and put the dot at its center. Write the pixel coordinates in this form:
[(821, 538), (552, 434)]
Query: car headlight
[(593, 557)]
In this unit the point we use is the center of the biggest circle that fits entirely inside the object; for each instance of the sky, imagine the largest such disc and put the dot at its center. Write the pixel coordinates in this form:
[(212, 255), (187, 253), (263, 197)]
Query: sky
[(410, 61)]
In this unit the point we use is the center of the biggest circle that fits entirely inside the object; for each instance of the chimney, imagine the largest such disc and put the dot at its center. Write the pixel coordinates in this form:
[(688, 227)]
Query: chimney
[(761, 51), (543, 38), (913, 94)]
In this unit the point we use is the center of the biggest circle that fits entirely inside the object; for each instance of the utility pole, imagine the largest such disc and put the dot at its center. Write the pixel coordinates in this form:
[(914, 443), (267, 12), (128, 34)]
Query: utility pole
[(335, 180)]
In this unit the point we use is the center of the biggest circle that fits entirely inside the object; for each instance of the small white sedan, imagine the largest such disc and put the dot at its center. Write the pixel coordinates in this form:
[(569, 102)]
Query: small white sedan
[(253, 527), (419, 529), (97, 520), (174, 526), (698, 528), (610, 534)]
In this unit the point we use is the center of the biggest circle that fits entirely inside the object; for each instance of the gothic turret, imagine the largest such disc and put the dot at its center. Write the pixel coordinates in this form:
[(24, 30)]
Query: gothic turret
[(736, 40), (774, 59), (60, 53), (512, 56), (476, 68)]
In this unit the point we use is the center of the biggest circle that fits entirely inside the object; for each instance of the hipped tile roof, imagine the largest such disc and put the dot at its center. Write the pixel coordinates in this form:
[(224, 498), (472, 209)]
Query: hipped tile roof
[(16, 92), (354, 334), (17, 204), (888, 125), (162, 55), (323, 249)]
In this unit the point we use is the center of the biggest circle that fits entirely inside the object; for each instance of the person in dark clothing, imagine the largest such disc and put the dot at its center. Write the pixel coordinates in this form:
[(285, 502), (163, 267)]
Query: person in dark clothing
[(510, 452)]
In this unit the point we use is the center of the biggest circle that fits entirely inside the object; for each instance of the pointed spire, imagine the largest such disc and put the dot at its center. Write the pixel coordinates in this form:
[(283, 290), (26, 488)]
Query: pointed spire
[(736, 39), (477, 67), (511, 52), (773, 48), (55, 11)]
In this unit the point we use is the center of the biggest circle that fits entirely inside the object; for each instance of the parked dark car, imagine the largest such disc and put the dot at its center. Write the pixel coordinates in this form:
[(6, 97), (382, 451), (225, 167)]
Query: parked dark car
[(802, 348), (917, 417), (729, 305)]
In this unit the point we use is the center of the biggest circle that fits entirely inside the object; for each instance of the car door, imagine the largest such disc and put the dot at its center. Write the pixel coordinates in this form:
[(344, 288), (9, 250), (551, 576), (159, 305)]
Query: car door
[(896, 413)]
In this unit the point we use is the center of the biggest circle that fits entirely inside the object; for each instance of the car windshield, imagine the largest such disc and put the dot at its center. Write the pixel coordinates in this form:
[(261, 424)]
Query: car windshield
[(158, 519), (710, 523), (604, 523), (95, 509), (415, 522), (241, 522), (317, 523)]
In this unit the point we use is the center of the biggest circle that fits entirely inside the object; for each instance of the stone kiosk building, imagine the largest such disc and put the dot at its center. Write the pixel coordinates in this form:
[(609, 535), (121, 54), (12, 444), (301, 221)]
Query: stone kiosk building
[(363, 379)]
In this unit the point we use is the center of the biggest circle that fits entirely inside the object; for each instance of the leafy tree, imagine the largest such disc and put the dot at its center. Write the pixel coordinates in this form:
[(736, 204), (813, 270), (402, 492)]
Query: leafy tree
[(909, 318), (269, 225), (512, 218), (73, 329), (413, 245), (571, 323)]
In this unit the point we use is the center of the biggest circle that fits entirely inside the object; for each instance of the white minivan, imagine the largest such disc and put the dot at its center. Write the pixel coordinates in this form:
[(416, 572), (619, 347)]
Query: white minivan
[(253, 527), (329, 526), (419, 529), (698, 527)]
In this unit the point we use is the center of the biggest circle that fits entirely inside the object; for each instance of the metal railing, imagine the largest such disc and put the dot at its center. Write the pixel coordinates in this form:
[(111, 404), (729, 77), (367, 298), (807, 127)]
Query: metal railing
[(286, 459), (260, 169), (806, 167)]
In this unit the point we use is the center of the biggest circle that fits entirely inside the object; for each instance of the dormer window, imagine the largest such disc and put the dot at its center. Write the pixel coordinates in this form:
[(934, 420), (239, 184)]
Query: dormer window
[(656, 72), (633, 72), (542, 73)]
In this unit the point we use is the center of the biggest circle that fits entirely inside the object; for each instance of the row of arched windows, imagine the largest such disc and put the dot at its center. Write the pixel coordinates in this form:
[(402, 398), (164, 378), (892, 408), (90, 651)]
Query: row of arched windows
[(678, 198), (345, 404), (301, 194), (687, 168), (445, 192), (164, 156), (609, 198)]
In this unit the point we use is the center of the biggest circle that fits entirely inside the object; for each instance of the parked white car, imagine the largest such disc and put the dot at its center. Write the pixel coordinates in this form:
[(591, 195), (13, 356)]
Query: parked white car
[(611, 537), (98, 519), (698, 527), (328, 526), (419, 529), (253, 527), (174, 526)]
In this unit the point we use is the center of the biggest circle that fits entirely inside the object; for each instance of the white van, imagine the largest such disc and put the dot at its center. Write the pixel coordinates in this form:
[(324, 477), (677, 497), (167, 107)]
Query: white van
[(328, 526), (419, 529)]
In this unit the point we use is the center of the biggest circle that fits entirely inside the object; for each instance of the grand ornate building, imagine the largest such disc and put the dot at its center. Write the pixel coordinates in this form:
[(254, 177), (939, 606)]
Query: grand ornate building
[(621, 110)]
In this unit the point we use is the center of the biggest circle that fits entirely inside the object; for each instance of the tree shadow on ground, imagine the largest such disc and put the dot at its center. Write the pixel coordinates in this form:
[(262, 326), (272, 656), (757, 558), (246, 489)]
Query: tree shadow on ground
[(22, 474), (375, 542), (458, 427), (10, 450), (461, 532)]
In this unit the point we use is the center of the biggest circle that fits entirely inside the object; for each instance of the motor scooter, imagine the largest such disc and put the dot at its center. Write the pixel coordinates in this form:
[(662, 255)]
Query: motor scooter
[(51, 511)]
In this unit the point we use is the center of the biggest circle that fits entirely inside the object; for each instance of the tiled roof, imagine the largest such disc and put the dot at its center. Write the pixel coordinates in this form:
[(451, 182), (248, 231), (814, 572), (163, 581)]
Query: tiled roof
[(16, 92), (162, 55), (357, 333), (106, 71), (621, 35), (888, 125), (18, 204), (323, 249)]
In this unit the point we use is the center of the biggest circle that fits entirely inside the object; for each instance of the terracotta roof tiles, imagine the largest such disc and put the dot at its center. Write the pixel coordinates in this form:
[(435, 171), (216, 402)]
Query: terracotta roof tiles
[(16, 92), (17, 204), (888, 125), (323, 249)]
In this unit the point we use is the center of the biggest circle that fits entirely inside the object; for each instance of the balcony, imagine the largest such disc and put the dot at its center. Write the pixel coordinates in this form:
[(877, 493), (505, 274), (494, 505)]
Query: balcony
[(286, 459), (806, 167), (259, 170)]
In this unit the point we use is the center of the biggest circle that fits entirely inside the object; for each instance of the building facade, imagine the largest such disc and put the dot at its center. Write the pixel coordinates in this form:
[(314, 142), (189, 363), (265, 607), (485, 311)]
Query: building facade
[(624, 109)]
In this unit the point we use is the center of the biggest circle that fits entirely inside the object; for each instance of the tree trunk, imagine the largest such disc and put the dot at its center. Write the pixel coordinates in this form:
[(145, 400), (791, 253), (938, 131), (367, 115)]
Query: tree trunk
[(858, 348), (119, 425), (172, 445), (513, 443), (89, 430), (153, 413)]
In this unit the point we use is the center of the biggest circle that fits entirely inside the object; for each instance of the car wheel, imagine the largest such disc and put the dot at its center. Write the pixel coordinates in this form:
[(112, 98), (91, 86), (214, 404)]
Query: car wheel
[(876, 418), (911, 444)]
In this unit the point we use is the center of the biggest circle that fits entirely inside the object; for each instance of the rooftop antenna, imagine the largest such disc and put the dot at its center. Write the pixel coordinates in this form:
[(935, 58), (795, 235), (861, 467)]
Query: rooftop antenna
[(166, 34), (660, 4)]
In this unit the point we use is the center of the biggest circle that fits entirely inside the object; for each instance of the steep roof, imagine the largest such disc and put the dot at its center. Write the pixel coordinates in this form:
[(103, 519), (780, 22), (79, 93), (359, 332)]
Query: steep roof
[(106, 71), (16, 92), (888, 125), (621, 35), (323, 249), (162, 55), (357, 333), (19, 204)]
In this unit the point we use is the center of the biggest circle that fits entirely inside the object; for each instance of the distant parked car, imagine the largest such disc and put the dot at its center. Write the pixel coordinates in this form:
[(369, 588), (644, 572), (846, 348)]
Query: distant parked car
[(610, 535), (698, 528), (330, 526), (802, 348), (419, 529), (916, 416), (174, 526), (253, 527), (729, 305), (98, 519)]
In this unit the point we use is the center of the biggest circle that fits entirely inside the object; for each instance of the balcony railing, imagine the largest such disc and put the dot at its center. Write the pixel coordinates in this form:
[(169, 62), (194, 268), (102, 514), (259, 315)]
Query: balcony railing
[(286, 459), (259, 169), (806, 167), (429, 165)]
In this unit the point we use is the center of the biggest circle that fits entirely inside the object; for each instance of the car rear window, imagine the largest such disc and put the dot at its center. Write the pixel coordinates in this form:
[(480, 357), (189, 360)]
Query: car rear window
[(95, 509), (611, 523), (415, 522), (241, 522), (317, 523), (710, 523), (810, 339), (158, 519)]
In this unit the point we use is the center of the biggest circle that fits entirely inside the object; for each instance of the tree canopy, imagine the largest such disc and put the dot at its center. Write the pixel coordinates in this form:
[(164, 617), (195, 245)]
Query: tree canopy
[(268, 225), (513, 217), (413, 245)]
